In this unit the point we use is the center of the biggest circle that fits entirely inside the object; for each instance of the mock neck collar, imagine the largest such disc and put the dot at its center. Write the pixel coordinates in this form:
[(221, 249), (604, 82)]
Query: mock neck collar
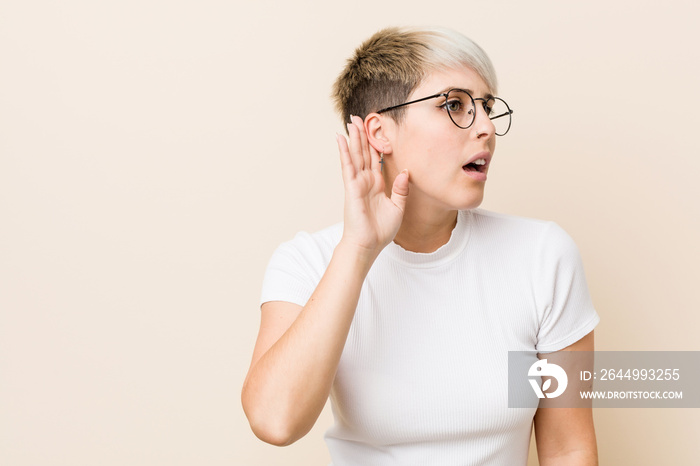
[(444, 254)]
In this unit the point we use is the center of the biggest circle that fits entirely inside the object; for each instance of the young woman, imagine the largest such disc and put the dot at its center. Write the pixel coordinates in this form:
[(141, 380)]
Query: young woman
[(404, 313)]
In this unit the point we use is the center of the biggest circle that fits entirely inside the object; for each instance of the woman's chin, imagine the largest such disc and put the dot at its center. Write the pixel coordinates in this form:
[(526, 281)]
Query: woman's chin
[(470, 202)]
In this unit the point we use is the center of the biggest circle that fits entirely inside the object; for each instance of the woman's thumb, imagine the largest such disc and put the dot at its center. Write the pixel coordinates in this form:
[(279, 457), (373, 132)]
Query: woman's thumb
[(399, 191)]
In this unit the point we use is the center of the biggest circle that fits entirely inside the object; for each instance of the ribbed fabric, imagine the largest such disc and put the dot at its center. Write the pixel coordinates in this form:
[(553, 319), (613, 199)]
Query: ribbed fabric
[(423, 375)]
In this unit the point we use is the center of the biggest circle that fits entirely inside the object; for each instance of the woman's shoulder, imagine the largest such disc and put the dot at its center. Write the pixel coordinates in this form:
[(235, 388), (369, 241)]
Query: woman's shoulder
[(319, 243), (507, 223), (503, 218), (517, 229)]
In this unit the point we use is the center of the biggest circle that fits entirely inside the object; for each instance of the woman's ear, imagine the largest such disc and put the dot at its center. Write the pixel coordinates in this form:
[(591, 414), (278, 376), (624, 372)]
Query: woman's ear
[(378, 132)]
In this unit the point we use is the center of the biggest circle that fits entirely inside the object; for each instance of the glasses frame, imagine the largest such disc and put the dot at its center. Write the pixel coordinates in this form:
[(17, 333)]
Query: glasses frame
[(483, 105)]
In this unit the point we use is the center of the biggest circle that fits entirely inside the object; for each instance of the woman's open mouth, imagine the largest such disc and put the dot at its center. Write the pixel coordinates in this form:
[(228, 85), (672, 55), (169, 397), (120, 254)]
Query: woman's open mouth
[(476, 169), (478, 165)]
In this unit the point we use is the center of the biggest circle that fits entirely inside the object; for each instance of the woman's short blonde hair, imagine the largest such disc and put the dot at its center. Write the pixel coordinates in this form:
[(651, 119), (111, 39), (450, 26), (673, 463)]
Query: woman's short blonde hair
[(386, 68)]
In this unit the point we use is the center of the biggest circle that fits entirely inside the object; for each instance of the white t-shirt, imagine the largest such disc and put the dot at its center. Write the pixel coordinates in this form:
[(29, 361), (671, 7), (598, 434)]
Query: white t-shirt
[(423, 375)]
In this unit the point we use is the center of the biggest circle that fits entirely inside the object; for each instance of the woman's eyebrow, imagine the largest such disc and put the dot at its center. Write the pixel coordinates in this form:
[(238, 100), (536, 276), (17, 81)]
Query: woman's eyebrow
[(455, 88), (469, 91)]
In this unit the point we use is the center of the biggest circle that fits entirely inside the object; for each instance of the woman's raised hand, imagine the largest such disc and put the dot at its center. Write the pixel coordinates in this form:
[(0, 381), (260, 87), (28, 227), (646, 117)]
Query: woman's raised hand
[(372, 219)]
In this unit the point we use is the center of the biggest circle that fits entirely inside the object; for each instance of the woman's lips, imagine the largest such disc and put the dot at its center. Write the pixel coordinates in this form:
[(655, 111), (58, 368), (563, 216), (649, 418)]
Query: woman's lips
[(477, 166), (474, 173)]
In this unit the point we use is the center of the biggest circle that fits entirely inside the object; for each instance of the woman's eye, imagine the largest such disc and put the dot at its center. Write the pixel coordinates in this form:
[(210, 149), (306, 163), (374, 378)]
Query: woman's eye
[(453, 105)]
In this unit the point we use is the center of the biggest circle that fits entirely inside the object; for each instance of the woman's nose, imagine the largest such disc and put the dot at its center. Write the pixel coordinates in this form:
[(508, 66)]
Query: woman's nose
[(483, 123)]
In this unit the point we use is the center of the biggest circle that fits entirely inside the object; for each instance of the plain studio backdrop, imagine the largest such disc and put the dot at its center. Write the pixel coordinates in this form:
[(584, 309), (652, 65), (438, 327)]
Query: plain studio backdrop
[(154, 153)]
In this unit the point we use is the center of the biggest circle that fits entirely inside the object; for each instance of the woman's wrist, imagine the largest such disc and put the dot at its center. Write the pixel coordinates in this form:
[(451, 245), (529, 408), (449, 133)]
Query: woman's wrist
[(356, 255)]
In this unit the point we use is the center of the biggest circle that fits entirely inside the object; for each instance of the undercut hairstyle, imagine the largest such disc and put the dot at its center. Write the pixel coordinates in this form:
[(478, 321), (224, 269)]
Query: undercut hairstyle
[(387, 67)]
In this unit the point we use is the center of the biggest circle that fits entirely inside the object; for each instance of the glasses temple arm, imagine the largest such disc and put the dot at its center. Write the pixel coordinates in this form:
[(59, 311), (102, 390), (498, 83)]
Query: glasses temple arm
[(411, 102), (509, 112)]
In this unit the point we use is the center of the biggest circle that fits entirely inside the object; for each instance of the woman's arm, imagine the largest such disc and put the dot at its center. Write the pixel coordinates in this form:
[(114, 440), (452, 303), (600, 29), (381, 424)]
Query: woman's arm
[(566, 436), (298, 349)]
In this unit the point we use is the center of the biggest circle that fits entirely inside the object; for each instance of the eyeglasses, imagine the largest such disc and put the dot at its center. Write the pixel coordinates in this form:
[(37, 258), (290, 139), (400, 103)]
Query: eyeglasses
[(461, 107)]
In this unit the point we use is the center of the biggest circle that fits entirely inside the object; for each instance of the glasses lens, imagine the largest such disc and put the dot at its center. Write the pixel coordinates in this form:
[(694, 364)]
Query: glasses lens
[(500, 115), (460, 106)]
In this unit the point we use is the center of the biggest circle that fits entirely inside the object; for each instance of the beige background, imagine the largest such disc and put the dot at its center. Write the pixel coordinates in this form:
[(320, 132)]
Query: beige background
[(154, 153)]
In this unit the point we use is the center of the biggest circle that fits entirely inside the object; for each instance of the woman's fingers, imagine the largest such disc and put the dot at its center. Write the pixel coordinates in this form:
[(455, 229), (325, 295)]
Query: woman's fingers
[(364, 144), (346, 165), (355, 146), (356, 153)]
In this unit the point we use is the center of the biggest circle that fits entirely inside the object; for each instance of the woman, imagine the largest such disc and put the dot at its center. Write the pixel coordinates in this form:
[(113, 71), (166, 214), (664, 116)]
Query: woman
[(404, 314)]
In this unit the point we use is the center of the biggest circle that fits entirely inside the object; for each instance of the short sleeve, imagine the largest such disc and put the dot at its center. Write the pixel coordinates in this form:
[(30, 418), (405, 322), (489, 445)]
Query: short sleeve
[(295, 269), (565, 310)]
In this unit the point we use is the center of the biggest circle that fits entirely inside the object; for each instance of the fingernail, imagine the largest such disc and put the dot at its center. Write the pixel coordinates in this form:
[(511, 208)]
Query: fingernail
[(351, 118)]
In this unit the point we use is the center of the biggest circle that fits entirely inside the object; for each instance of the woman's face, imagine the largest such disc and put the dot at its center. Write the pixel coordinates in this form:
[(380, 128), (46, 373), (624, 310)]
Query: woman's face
[(436, 152)]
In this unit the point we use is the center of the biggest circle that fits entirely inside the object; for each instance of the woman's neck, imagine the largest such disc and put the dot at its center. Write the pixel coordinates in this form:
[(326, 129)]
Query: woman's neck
[(425, 230)]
